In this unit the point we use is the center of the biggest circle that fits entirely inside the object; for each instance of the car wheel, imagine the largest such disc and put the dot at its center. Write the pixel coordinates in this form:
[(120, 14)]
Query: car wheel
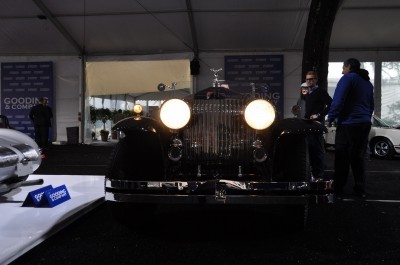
[(382, 148)]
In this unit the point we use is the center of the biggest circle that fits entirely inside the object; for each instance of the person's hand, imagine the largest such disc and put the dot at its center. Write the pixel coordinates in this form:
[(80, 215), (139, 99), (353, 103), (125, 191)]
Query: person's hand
[(314, 116)]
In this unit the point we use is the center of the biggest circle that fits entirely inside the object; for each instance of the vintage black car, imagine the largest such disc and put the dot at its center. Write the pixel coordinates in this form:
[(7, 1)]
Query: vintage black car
[(214, 147)]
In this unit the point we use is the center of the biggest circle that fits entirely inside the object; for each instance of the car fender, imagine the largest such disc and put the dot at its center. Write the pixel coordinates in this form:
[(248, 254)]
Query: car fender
[(144, 124), (11, 136), (393, 135), (298, 126), (140, 130)]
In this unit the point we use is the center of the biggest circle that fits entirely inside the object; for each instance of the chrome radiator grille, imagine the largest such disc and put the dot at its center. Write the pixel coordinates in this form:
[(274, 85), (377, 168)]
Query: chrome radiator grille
[(218, 132)]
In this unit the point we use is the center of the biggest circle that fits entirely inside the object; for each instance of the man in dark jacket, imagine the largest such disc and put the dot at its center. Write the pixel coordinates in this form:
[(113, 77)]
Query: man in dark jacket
[(41, 115), (352, 108), (318, 103)]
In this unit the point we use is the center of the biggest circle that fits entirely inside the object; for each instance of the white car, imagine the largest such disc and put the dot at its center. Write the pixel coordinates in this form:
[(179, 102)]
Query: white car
[(384, 140), (20, 156)]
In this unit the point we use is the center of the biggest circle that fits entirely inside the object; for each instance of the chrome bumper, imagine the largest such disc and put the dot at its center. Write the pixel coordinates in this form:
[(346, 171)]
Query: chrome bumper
[(215, 192)]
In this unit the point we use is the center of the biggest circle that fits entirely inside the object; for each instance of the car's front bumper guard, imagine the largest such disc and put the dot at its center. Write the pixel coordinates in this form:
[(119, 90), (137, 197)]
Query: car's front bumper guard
[(216, 192)]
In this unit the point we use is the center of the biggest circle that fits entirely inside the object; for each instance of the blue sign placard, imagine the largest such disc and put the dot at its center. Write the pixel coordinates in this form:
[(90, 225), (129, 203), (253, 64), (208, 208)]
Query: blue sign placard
[(265, 71), (54, 197), (22, 84), (47, 197), (33, 198)]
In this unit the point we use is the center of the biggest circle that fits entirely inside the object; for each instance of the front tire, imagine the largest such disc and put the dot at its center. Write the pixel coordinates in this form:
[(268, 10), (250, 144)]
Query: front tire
[(382, 148)]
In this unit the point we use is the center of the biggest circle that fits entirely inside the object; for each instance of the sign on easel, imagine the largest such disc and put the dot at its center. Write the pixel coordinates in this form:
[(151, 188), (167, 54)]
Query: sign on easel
[(47, 197)]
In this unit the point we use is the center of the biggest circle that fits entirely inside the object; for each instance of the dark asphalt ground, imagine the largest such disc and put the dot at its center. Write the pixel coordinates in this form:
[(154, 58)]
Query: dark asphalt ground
[(353, 231)]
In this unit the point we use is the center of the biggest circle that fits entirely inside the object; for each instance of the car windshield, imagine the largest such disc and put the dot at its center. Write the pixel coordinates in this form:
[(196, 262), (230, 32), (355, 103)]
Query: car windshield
[(377, 122)]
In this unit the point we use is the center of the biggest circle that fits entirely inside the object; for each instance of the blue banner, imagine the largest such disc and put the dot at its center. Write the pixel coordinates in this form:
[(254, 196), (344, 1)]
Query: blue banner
[(22, 84), (265, 71)]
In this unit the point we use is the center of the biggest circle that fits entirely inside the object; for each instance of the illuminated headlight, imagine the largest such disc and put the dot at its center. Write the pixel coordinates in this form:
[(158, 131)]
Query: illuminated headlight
[(137, 108), (259, 114), (175, 113)]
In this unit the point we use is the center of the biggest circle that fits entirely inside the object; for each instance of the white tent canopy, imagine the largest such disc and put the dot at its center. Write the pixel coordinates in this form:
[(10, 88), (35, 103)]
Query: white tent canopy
[(137, 27)]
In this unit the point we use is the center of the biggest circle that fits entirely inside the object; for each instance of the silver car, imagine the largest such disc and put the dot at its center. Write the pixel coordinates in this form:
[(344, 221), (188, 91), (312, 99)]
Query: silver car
[(20, 156)]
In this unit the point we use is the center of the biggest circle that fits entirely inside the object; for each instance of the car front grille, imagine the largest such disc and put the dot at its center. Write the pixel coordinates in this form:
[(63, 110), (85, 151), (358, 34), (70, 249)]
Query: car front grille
[(217, 132)]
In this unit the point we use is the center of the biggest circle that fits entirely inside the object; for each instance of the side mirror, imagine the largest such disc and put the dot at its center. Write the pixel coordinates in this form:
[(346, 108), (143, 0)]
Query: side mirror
[(161, 87)]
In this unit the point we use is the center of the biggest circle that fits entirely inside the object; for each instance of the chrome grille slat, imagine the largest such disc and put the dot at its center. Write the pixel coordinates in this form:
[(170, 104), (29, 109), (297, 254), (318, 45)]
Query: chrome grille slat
[(217, 132)]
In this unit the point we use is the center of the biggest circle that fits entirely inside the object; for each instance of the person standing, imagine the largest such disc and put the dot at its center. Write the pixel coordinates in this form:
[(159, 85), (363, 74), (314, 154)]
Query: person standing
[(351, 109), (318, 103), (41, 115), (301, 102)]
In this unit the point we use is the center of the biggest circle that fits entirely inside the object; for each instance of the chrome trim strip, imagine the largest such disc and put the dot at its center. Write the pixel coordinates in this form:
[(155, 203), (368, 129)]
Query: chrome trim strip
[(8, 157), (205, 199), (215, 192), (198, 185), (28, 151)]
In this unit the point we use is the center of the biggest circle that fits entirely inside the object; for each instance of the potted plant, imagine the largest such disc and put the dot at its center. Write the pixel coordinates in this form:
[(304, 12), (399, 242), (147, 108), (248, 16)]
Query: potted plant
[(104, 135), (114, 135), (104, 115)]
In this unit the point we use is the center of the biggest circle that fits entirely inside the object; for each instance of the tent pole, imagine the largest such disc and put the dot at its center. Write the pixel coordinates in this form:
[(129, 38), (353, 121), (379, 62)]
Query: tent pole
[(83, 99)]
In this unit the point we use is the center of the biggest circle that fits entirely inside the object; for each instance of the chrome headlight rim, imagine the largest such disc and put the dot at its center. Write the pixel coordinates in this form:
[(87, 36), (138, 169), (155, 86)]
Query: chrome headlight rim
[(259, 114), (175, 113)]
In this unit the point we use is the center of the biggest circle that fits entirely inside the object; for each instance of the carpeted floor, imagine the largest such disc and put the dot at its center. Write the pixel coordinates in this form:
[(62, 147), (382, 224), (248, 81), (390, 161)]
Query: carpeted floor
[(355, 231)]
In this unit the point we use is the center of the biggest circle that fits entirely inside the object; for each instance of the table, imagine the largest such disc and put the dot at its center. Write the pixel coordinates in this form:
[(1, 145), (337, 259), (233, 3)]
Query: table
[(23, 228)]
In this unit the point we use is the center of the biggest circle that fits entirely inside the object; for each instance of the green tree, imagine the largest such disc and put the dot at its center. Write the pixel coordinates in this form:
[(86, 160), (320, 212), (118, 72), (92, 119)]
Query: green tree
[(103, 115), (394, 114), (93, 117)]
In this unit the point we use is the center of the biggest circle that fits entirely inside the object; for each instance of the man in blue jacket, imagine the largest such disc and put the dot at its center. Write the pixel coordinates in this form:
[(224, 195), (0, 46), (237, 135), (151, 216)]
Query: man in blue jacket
[(351, 109)]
